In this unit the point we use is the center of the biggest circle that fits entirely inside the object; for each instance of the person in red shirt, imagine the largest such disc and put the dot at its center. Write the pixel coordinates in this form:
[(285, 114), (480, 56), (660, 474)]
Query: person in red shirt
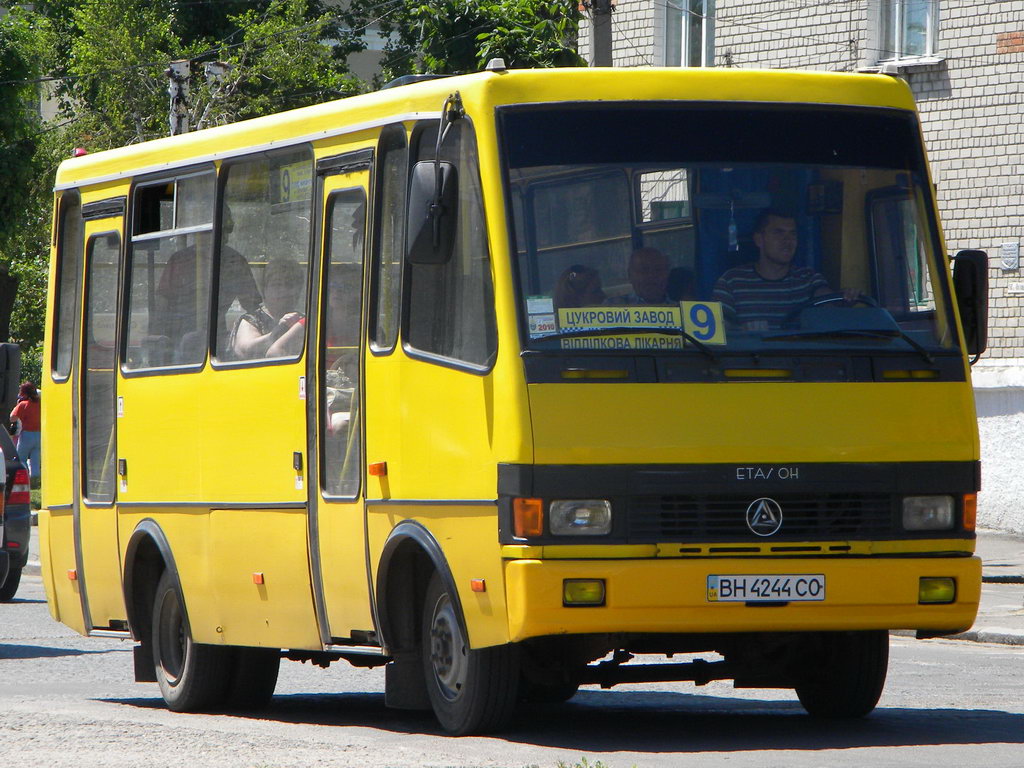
[(28, 440)]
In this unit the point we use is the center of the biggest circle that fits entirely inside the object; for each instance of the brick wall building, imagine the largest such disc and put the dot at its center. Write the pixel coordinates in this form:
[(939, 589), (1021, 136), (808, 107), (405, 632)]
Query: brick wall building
[(964, 62)]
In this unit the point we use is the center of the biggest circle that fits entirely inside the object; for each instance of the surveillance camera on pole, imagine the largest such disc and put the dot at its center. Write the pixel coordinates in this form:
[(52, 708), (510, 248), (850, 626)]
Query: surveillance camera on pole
[(178, 74)]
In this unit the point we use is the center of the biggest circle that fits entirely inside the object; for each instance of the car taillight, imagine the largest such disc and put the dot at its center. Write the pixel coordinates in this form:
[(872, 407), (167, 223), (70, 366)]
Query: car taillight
[(20, 488)]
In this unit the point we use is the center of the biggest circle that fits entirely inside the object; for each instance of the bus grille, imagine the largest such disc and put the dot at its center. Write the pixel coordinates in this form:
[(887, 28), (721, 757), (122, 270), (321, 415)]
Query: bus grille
[(723, 518)]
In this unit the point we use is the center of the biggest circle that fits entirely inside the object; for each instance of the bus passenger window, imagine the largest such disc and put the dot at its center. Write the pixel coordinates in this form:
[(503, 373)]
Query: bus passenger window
[(168, 302), (392, 179), (98, 380), (264, 242), (69, 264), (343, 295), (451, 306)]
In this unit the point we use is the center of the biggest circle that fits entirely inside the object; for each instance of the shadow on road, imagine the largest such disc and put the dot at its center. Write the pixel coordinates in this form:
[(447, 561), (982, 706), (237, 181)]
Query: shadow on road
[(9, 651), (659, 722)]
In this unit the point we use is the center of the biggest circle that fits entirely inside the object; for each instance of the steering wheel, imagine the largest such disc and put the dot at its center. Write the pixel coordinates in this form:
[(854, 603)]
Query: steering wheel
[(828, 298)]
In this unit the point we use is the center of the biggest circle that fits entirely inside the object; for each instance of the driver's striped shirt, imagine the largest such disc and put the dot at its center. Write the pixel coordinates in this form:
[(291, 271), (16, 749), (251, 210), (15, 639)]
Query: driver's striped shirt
[(747, 297)]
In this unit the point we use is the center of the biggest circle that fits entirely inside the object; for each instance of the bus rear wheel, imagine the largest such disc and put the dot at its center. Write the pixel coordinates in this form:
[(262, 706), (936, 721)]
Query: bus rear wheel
[(253, 677), (192, 677), (470, 690), (844, 673)]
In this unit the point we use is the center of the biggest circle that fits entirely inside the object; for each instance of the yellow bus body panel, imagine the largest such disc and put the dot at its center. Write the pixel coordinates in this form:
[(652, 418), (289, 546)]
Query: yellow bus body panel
[(57, 561), (265, 545), (753, 422), (469, 537), (670, 596)]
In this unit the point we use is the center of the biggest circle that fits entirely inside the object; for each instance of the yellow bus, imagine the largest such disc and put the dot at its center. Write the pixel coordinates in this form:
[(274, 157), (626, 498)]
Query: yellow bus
[(502, 379)]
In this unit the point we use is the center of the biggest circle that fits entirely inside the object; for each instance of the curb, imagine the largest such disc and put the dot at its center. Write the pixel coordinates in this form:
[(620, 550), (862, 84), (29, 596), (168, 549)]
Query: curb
[(996, 635)]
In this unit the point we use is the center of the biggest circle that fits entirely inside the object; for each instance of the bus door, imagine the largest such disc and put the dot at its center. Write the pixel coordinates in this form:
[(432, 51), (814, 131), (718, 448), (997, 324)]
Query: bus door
[(98, 563), (335, 412)]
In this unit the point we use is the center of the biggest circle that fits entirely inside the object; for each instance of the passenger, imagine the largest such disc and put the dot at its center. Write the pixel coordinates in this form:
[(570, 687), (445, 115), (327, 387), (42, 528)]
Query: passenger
[(578, 286), (648, 274), (178, 293), (762, 294), (276, 328)]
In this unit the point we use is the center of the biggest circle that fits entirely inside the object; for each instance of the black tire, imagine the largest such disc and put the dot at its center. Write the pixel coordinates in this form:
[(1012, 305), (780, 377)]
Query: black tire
[(844, 673), (192, 677), (10, 585), (253, 677), (471, 691)]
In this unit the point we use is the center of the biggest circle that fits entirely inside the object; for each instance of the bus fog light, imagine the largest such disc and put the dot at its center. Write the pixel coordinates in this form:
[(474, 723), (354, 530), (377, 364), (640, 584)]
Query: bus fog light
[(927, 513), (588, 517), (583, 592), (936, 589)]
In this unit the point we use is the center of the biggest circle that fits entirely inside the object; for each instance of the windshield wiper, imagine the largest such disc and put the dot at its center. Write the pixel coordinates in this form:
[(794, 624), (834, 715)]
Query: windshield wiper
[(840, 333), (618, 330)]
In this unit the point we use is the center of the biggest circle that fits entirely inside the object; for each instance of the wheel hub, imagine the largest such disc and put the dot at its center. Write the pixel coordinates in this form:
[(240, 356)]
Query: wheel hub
[(447, 649)]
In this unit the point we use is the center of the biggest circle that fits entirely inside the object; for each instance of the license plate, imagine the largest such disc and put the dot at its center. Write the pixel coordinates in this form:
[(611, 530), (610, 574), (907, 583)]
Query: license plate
[(771, 588)]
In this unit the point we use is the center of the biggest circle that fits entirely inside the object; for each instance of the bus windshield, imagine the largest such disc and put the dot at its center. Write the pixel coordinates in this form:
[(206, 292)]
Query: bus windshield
[(711, 229)]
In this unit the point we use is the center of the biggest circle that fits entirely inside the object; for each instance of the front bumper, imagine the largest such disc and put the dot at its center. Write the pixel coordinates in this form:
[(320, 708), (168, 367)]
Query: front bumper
[(670, 596), (17, 531)]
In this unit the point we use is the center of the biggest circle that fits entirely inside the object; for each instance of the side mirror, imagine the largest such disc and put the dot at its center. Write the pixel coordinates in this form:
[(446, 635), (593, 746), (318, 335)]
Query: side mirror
[(433, 212), (970, 282)]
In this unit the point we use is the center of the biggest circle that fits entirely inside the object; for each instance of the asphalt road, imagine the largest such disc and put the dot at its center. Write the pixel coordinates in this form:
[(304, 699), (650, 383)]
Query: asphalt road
[(67, 700)]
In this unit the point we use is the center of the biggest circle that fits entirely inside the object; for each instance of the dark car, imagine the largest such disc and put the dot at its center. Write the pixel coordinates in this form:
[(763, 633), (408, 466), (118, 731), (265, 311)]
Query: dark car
[(17, 517)]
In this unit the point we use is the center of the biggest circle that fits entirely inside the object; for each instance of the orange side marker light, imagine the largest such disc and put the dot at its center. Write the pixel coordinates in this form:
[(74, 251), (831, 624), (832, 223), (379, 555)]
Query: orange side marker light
[(970, 511)]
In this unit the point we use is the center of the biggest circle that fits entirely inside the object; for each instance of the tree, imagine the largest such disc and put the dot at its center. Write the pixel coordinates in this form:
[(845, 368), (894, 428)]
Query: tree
[(459, 36), (104, 61), (21, 313)]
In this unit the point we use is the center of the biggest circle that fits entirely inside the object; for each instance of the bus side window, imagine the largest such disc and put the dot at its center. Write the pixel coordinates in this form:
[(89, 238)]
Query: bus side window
[(263, 260), (168, 299), (389, 239), (69, 267), (343, 297), (98, 364), (451, 306)]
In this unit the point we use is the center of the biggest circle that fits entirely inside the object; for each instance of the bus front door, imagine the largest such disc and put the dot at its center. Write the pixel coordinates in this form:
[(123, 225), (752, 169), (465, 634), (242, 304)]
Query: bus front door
[(334, 402)]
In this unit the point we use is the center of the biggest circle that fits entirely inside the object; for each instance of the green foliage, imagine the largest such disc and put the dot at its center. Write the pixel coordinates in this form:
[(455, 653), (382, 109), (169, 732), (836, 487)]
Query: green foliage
[(280, 62), (116, 64), (104, 61), (459, 36), (23, 228), (582, 763)]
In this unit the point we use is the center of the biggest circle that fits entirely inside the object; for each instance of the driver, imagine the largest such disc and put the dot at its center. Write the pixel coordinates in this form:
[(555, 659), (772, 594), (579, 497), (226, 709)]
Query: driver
[(760, 295)]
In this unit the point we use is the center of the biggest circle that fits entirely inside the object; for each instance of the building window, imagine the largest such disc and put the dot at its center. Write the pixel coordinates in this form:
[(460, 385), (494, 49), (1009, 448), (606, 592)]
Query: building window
[(907, 28), (690, 33)]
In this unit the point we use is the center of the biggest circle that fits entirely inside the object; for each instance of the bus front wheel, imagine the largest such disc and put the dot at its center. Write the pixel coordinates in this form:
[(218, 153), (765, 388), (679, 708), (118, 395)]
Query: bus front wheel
[(844, 673), (470, 690), (192, 677)]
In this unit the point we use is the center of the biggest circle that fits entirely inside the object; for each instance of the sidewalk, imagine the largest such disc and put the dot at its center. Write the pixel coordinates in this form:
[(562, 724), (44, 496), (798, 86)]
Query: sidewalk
[(1001, 614), (1000, 617)]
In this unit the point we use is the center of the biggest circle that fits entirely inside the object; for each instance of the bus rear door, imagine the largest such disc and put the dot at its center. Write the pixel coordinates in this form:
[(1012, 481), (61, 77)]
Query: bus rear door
[(98, 563)]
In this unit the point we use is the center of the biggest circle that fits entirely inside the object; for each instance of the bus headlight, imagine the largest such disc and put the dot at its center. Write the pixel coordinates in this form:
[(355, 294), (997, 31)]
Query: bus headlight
[(927, 513), (575, 517)]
